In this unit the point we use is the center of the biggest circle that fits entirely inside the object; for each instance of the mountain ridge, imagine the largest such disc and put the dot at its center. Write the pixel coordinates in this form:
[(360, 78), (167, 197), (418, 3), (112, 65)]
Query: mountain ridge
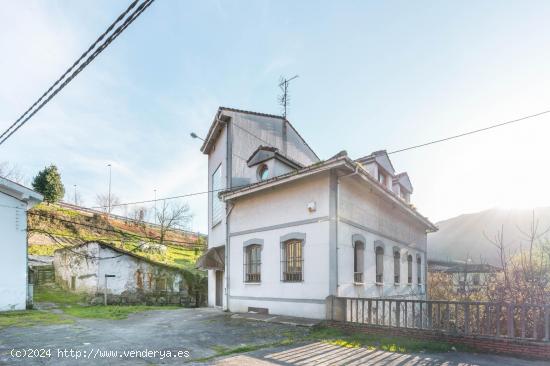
[(464, 236)]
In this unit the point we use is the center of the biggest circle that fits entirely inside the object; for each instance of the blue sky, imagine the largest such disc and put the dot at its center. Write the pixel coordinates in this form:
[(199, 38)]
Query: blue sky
[(373, 75)]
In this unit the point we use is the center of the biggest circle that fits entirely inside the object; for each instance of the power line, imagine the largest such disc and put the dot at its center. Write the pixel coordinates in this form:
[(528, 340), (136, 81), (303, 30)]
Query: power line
[(41, 102), (470, 132), (392, 152)]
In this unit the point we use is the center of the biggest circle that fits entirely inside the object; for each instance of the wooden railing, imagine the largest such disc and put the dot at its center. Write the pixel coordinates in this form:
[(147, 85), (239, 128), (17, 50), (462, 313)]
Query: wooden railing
[(518, 321)]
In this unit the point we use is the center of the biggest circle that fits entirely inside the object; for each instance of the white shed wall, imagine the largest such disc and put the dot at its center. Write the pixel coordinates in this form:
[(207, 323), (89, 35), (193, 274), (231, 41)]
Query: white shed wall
[(13, 246)]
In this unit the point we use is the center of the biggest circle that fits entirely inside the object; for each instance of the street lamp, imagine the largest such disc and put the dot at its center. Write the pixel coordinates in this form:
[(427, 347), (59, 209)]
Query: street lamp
[(195, 136), (155, 206), (109, 198)]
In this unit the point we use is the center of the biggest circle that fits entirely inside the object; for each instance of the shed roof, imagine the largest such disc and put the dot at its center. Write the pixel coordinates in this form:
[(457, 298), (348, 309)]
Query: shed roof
[(20, 192)]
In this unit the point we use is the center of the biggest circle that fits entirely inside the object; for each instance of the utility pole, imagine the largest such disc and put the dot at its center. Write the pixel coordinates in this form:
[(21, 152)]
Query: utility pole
[(109, 211), (74, 185), (284, 99)]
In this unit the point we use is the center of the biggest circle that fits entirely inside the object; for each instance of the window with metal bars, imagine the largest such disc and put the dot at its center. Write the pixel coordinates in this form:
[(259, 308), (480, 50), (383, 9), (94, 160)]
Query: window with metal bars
[(292, 261), (253, 263), (379, 264)]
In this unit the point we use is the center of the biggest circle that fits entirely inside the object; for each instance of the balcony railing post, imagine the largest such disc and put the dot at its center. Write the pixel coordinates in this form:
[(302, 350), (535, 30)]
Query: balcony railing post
[(389, 313), (369, 317), (547, 323), (510, 321), (421, 315), (398, 314), (430, 314), (523, 323), (498, 311), (413, 321), (466, 318), (383, 312)]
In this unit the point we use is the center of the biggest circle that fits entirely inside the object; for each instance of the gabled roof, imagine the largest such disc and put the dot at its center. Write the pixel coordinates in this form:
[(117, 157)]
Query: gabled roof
[(119, 250), (264, 153), (340, 160), (20, 192), (381, 157), (404, 181), (220, 120)]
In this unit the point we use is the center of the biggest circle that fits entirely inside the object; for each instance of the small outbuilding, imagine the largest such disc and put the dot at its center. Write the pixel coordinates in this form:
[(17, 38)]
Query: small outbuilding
[(15, 200), (96, 268)]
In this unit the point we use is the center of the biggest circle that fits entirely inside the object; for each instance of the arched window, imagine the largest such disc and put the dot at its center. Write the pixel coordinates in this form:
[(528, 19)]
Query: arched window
[(409, 269), (419, 269), (263, 172), (396, 266), (358, 261), (252, 263), (379, 264)]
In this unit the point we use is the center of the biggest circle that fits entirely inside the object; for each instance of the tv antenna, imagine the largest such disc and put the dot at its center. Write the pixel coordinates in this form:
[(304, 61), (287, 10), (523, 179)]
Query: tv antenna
[(284, 99)]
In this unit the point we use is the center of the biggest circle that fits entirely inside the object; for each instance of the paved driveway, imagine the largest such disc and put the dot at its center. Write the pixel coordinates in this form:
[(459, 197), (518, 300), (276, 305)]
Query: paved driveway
[(202, 333)]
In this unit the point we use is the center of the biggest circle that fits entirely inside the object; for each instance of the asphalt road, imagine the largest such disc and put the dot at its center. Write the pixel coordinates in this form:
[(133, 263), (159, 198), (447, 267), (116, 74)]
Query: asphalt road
[(190, 335)]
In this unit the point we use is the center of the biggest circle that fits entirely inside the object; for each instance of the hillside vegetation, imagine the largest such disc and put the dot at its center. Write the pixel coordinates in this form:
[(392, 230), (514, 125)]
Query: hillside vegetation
[(52, 227)]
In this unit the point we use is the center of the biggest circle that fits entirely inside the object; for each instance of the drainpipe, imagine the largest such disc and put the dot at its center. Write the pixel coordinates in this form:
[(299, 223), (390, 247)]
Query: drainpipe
[(338, 217), (227, 267)]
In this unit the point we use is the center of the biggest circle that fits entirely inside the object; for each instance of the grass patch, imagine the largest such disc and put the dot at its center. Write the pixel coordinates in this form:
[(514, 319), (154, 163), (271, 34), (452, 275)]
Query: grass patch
[(29, 318), (57, 295), (74, 305), (113, 312), (392, 344)]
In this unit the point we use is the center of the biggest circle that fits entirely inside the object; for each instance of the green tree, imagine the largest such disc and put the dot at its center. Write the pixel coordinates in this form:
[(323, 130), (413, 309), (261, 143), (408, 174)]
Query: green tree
[(197, 286), (48, 183)]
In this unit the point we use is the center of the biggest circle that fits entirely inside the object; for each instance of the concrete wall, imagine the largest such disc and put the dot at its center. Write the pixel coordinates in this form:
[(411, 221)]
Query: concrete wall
[(217, 232), (245, 132), (364, 213), (90, 272), (13, 246), (268, 217), (79, 263)]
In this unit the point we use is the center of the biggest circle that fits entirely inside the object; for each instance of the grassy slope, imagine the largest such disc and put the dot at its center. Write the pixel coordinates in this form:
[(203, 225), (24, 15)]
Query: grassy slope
[(70, 234)]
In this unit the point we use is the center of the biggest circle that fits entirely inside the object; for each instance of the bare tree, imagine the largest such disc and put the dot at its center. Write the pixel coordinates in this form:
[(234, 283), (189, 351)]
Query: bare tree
[(138, 215), (172, 216), (12, 172), (105, 202), (526, 273)]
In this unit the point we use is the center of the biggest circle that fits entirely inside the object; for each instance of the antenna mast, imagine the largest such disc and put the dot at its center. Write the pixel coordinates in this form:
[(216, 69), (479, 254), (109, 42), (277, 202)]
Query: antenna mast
[(284, 99)]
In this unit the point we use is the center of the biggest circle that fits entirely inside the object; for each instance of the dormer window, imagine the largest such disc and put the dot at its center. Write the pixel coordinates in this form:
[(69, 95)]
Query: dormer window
[(263, 172), (382, 177)]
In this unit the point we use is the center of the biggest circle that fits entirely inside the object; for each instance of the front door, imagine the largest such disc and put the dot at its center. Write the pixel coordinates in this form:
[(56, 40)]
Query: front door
[(219, 288)]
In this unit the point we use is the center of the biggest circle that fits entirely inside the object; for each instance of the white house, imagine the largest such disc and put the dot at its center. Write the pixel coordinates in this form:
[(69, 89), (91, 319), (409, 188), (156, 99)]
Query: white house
[(15, 200), (286, 230)]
